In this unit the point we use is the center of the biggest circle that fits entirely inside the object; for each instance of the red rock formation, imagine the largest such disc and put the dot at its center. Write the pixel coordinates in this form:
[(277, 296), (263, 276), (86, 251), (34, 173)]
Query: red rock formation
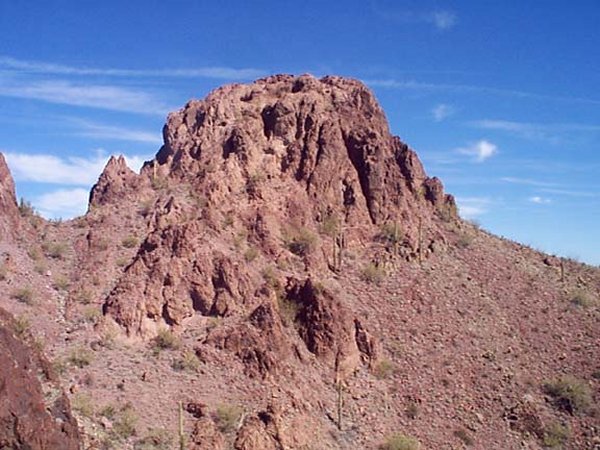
[(34, 412), (9, 210), (115, 180)]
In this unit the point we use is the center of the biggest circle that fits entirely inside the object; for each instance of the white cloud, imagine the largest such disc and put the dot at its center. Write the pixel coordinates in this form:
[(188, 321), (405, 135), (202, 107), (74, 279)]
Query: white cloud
[(62, 203), (443, 20), (441, 112), (572, 193), (539, 200), (480, 150), (471, 207), (101, 131), (218, 72), (527, 182), (114, 98), (72, 170)]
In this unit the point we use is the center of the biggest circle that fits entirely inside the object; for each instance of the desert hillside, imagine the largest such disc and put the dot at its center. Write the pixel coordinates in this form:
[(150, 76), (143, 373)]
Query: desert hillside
[(285, 275)]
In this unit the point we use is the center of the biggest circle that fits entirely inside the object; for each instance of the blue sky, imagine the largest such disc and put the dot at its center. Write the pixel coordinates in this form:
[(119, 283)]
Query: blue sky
[(499, 99)]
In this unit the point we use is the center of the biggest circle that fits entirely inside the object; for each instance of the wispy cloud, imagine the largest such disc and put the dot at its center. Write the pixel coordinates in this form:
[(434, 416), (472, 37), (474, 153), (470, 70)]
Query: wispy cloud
[(548, 132), (62, 203), (539, 200), (571, 193), (109, 132), (74, 171), (441, 112), (64, 92), (527, 182), (49, 68), (413, 85), (480, 150), (441, 19), (471, 207)]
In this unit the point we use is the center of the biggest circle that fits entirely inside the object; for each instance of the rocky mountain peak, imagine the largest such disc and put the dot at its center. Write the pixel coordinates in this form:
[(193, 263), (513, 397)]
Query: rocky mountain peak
[(114, 179)]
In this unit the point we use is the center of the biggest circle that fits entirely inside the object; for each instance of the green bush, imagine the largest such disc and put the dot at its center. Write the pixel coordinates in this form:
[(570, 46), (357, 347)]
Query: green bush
[(390, 233), (569, 394), (583, 299), (80, 357), (129, 242), (125, 424), (166, 340), (555, 435), (83, 404), (400, 442), (155, 439), (300, 241), (384, 369), (55, 250)]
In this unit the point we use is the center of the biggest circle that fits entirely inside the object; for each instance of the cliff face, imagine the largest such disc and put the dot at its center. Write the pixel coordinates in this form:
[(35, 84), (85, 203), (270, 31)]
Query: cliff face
[(34, 412), (9, 210)]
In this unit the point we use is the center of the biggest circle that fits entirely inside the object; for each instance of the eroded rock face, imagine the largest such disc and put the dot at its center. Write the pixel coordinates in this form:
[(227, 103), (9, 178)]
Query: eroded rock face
[(34, 412), (9, 210), (115, 180)]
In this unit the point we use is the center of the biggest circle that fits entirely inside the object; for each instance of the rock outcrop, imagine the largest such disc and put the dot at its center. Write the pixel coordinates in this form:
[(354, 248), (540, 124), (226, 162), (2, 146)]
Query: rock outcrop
[(9, 210), (34, 412)]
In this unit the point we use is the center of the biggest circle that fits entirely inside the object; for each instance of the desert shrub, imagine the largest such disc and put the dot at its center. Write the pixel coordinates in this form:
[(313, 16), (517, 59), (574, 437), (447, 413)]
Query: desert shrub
[(165, 340), (251, 254), (464, 436), (569, 394), (40, 267), (3, 272), (300, 241), (26, 209), (390, 233), (372, 273), (124, 425), (80, 357), (226, 417), (555, 435), (108, 411), (83, 404), (330, 225), (129, 242), (122, 262), (384, 369), (583, 299), (400, 442), (55, 250), (465, 240), (188, 361), (61, 283), (22, 326), (24, 295), (288, 309), (155, 439), (412, 410), (91, 314)]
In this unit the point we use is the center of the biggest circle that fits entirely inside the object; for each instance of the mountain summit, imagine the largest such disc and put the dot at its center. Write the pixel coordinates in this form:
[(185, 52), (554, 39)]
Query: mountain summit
[(284, 275)]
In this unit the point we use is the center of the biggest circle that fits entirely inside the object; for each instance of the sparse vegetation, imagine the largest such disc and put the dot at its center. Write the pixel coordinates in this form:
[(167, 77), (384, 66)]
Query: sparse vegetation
[(583, 299), (125, 422), (372, 273), (464, 436), (288, 310), (227, 417), (400, 442), (3, 272), (165, 340), (188, 361), (251, 254), (464, 241), (91, 314), (129, 242), (24, 295), (412, 410), (384, 369), (61, 283), (300, 240), (83, 404), (390, 233), (122, 262), (22, 326), (556, 435), (80, 357), (26, 209), (108, 411), (569, 394), (55, 250), (330, 225), (155, 439)]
